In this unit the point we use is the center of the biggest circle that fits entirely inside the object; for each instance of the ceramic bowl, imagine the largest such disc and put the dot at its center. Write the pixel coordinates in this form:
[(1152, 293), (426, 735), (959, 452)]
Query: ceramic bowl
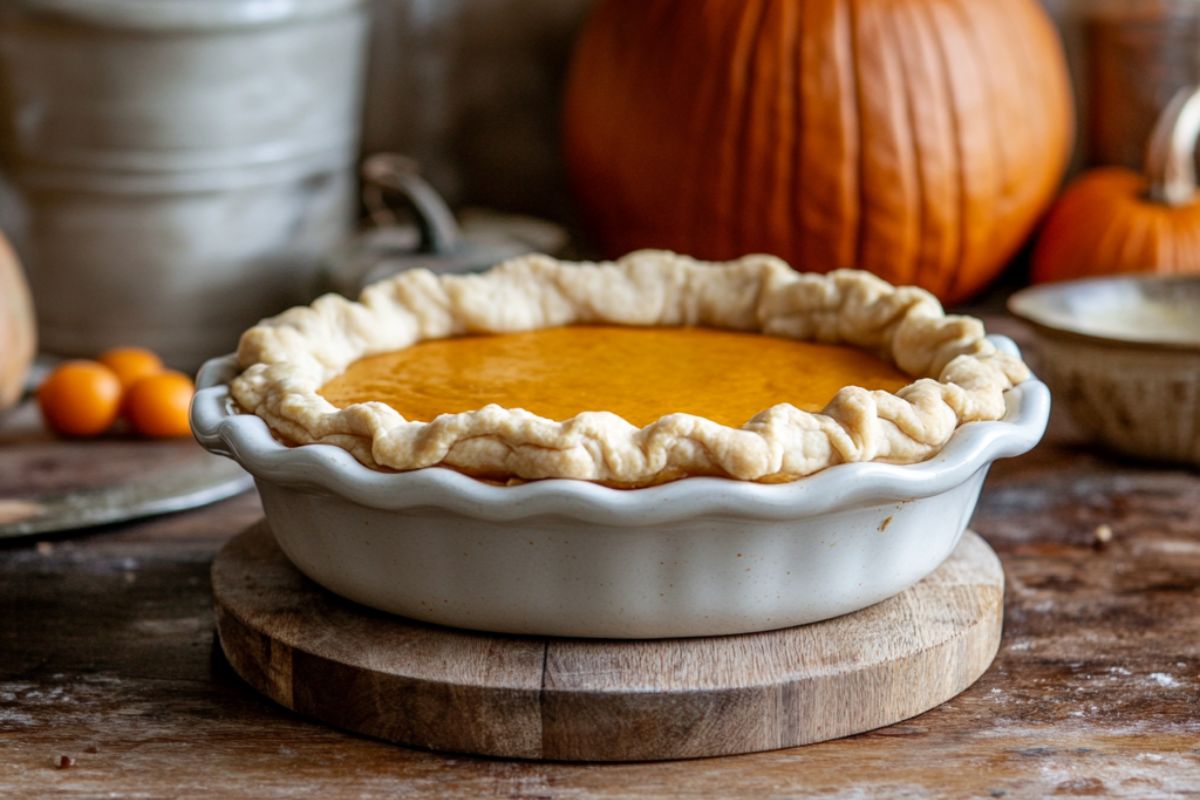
[(696, 557), (1122, 355)]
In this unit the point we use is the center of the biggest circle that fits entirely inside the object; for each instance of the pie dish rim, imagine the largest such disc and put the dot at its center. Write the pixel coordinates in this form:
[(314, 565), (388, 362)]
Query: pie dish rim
[(223, 429)]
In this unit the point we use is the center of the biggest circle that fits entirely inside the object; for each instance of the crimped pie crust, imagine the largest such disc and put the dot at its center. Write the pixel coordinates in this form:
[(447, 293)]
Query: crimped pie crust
[(961, 377)]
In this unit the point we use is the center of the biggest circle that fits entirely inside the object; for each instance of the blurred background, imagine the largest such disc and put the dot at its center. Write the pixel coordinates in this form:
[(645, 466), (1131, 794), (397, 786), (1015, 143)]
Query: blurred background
[(487, 77)]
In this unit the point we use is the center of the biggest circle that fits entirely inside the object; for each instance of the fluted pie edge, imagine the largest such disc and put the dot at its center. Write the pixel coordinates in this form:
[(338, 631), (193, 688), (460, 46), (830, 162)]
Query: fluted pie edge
[(960, 376)]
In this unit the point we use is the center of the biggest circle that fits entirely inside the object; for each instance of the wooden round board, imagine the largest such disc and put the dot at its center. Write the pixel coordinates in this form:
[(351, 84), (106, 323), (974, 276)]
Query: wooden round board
[(603, 700)]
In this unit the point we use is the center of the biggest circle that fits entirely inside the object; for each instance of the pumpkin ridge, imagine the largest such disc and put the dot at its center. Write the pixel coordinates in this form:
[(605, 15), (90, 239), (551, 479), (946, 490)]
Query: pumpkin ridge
[(795, 175), (851, 133), (990, 86), (888, 172), (1164, 244), (744, 224), (955, 289), (707, 127), (662, 19), (860, 234), (755, 173), (931, 140), (960, 176), (1188, 260), (1115, 226), (780, 208), (1035, 106), (731, 139), (1137, 239), (939, 233), (906, 273), (827, 196), (1009, 190)]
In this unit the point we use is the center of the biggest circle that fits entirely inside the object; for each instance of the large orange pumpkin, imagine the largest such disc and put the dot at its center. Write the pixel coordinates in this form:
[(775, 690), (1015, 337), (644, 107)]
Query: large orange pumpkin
[(1115, 220), (919, 139)]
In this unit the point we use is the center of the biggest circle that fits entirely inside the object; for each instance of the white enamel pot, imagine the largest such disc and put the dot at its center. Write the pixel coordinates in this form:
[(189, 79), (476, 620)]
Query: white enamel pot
[(179, 167)]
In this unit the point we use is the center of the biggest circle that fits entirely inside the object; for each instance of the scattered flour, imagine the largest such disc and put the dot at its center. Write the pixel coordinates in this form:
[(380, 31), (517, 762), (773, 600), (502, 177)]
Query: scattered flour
[(1163, 679), (10, 718)]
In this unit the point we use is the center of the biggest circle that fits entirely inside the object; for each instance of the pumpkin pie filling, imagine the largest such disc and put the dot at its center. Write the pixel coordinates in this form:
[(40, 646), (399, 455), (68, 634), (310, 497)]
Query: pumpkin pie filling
[(640, 374)]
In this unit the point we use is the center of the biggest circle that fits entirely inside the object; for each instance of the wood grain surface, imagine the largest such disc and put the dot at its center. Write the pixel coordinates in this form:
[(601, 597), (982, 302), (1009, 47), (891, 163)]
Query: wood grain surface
[(569, 699), (107, 656), (35, 462)]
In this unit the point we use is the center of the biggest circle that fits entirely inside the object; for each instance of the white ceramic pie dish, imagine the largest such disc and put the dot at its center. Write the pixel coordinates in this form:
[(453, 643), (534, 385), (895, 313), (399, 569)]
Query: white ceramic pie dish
[(695, 557)]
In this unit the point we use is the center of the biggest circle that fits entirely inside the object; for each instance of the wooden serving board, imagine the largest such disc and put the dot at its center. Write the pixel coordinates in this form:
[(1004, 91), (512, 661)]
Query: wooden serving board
[(603, 700)]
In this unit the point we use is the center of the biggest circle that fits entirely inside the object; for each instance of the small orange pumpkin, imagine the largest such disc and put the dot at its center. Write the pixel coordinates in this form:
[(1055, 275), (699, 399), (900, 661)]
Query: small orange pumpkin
[(18, 337), (1115, 220)]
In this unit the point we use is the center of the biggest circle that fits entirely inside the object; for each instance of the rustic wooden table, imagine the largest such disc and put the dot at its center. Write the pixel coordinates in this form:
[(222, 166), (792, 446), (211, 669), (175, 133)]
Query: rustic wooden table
[(107, 658)]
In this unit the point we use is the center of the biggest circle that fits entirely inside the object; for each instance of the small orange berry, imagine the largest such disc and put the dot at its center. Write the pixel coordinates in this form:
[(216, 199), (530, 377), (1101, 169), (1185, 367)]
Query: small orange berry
[(157, 405), (131, 364), (80, 398)]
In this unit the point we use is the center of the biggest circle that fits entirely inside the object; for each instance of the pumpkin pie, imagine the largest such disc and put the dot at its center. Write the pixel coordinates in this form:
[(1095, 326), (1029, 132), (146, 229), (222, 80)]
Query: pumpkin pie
[(631, 373)]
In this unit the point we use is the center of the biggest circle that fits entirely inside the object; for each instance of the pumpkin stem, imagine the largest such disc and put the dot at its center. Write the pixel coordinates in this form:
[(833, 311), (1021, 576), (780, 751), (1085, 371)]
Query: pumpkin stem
[(1171, 156)]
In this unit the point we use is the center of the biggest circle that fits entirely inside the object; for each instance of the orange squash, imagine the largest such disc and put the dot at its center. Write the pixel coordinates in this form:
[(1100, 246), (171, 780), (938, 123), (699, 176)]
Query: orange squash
[(18, 335), (919, 139), (1115, 220)]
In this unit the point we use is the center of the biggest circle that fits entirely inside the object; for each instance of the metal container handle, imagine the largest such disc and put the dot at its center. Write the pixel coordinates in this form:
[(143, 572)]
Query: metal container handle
[(390, 180)]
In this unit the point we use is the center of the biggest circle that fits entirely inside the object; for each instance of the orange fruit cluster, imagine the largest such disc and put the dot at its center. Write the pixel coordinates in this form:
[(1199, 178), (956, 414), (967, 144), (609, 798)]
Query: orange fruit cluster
[(85, 398)]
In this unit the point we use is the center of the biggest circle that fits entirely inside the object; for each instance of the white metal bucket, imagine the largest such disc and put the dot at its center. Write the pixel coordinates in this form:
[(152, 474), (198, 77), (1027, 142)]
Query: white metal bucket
[(182, 166)]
